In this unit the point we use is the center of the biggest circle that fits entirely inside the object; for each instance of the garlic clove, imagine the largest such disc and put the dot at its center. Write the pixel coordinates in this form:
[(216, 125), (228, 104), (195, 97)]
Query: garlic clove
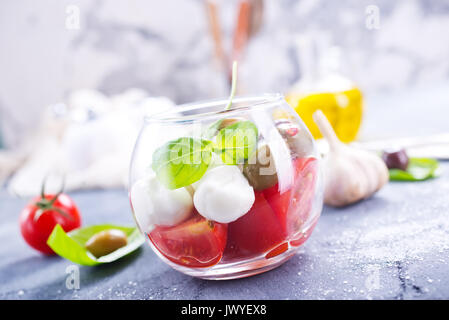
[(368, 170), (154, 204), (375, 168), (384, 175), (350, 188), (223, 194)]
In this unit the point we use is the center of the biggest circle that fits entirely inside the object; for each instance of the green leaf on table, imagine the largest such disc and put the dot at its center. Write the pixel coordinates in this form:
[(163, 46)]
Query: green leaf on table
[(72, 245), (181, 162), (237, 142), (418, 169)]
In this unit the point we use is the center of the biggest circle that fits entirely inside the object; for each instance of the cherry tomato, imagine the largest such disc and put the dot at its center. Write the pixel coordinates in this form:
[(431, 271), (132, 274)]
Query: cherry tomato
[(293, 209), (256, 232), (42, 214), (195, 243)]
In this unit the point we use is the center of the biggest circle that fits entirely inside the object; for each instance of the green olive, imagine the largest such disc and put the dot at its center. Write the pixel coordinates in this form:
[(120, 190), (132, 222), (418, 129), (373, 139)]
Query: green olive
[(298, 140), (105, 242), (228, 122), (260, 170)]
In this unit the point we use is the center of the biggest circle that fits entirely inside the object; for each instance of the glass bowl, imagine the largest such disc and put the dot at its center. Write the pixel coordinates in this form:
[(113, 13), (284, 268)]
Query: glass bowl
[(226, 193)]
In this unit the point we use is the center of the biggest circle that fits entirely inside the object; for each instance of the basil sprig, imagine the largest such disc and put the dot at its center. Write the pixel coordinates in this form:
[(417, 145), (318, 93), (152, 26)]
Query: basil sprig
[(237, 142), (418, 169), (181, 162), (213, 129)]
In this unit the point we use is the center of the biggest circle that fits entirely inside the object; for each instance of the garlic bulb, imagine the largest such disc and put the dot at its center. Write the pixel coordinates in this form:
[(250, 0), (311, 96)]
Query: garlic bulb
[(350, 174)]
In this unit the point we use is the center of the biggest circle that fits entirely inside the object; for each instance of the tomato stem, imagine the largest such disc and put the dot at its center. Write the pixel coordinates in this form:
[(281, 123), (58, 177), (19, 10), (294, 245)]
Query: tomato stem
[(48, 205), (61, 190)]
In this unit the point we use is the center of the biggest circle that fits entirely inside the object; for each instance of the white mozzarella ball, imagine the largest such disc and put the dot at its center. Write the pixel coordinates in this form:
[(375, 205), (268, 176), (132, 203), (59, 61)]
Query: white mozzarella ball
[(154, 204), (215, 162), (223, 194)]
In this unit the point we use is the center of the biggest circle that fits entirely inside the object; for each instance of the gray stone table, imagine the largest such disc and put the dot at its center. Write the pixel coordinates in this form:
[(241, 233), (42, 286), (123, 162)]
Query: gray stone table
[(392, 246)]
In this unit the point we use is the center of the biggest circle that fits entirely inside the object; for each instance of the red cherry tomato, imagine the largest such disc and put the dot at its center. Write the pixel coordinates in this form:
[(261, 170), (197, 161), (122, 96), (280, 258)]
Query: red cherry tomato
[(195, 243), (42, 214), (254, 233), (293, 209)]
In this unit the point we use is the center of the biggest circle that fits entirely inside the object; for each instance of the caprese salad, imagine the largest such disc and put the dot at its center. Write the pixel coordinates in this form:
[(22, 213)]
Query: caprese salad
[(220, 198)]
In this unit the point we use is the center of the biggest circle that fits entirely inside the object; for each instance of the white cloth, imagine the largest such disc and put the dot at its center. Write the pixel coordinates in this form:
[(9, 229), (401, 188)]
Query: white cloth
[(91, 153)]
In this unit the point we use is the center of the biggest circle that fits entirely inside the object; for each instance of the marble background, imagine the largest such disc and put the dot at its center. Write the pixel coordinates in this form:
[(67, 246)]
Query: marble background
[(164, 47)]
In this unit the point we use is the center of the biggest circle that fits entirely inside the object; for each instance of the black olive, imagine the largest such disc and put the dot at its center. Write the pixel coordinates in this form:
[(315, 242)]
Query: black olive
[(396, 159)]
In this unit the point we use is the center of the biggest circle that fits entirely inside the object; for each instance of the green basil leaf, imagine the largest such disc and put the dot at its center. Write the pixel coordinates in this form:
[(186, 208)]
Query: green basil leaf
[(181, 162), (418, 169), (72, 245), (237, 142)]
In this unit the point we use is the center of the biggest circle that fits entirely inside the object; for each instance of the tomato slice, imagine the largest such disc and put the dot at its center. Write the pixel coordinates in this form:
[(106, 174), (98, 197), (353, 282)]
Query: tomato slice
[(195, 243), (254, 233), (293, 208)]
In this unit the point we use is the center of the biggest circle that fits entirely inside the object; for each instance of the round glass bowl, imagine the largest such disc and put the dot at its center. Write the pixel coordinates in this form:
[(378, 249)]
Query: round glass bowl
[(226, 193)]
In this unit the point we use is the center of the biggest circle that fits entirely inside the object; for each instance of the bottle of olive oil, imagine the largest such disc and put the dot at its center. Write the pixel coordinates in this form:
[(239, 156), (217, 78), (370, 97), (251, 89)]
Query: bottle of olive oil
[(324, 87)]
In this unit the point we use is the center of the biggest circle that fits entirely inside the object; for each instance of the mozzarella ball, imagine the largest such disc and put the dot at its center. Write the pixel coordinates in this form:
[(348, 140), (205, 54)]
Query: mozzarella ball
[(223, 194), (154, 204), (215, 162)]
